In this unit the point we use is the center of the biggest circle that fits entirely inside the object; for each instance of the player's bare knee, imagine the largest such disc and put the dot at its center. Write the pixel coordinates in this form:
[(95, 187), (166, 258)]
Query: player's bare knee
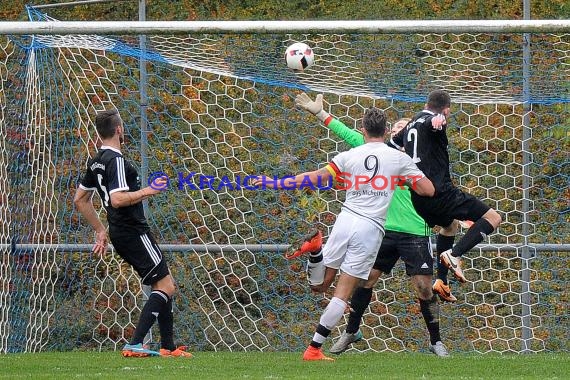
[(372, 279), (424, 293), (423, 287), (166, 285), (450, 230), (170, 290), (369, 283), (493, 217), (173, 288), (321, 288)]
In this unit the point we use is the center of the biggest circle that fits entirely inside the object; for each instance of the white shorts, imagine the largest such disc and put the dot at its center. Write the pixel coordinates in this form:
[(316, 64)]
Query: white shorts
[(352, 245)]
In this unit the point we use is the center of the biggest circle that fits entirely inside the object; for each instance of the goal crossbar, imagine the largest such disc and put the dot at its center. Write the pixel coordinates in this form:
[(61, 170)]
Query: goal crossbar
[(268, 27)]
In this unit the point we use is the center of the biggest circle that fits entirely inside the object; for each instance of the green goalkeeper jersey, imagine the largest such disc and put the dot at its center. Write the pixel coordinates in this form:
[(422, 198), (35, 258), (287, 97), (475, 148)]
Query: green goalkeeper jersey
[(401, 216)]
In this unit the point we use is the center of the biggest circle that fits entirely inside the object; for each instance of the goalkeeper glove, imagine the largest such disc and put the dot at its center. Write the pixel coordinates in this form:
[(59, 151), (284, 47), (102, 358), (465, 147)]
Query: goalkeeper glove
[(315, 107)]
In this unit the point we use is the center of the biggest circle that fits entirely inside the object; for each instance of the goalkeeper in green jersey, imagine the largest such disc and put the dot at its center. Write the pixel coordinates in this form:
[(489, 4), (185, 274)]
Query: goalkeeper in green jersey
[(407, 237)]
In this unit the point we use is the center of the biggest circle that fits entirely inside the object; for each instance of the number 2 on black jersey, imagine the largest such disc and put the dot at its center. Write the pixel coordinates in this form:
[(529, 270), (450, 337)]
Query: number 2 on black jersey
[(413, 136)]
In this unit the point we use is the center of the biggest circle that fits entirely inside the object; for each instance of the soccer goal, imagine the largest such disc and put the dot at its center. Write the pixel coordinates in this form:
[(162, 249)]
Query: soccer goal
[(211, 103)]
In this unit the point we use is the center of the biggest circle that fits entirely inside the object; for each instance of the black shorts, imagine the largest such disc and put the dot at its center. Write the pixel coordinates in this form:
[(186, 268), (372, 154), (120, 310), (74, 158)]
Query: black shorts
[(448, 205), (141, 252), (414, 250)]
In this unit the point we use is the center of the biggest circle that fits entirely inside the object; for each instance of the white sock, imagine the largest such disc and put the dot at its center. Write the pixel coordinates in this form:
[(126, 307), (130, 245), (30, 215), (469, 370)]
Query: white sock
[(316, 270), (331, 316)]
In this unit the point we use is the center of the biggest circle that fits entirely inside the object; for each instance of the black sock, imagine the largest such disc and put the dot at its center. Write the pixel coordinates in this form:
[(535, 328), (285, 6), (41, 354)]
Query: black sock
[(474, 235), (166, 326), (322, 330), (443, 244), (430, 312), (359, 302), (315, 257), (152, 308)]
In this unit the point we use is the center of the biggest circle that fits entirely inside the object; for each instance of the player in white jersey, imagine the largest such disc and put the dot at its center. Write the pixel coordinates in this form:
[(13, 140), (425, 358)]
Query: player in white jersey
[(369, 173)]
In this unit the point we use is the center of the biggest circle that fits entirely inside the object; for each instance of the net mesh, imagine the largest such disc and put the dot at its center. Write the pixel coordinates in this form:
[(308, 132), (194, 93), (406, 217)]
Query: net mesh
[(220, 108)]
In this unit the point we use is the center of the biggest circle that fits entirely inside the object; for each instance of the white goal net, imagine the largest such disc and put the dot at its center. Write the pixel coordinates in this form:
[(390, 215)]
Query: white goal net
[(209, 110)]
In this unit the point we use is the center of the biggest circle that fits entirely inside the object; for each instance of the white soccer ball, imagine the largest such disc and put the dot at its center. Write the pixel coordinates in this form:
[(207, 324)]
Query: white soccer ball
[(299, 56)]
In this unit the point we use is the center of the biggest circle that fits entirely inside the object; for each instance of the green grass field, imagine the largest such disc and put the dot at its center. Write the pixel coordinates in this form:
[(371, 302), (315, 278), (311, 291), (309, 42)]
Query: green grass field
[(279, 365)]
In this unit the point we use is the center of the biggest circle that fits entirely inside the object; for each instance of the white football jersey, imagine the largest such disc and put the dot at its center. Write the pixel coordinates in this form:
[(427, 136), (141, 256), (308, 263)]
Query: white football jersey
[(369, 173)]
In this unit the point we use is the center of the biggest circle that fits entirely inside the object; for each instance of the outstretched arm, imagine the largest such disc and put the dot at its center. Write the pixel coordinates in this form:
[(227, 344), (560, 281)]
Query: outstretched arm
[(397, 140), (352, 137)]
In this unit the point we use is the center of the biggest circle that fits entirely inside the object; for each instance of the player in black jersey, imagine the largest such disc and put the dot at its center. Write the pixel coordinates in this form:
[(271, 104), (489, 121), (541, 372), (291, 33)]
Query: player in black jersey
[(117, 183), (425, 141)]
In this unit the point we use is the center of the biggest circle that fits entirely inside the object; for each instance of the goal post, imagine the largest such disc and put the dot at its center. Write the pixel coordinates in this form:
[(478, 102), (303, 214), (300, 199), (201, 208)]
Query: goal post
[(219, 107)]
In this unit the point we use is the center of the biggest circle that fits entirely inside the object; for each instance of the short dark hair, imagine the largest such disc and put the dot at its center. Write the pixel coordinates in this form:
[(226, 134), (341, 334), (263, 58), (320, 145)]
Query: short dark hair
[(438, 100), (107, 122), (374, 122)]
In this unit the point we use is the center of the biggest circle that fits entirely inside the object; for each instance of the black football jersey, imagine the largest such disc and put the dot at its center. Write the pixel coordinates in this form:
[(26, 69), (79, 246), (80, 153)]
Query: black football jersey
[(107, 173), (427, 147)]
